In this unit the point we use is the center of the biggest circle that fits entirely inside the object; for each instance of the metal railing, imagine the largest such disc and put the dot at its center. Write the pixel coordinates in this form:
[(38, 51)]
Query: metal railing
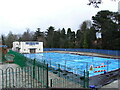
[(24, 77), (66, 77), (31, 69), (33, 73)]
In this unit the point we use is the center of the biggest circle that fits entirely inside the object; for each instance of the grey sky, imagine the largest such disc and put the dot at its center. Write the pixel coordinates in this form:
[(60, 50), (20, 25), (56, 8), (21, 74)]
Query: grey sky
[(17, 15)]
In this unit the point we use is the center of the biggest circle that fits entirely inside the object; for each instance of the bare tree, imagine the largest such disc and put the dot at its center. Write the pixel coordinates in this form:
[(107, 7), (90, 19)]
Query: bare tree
[(96, 3)]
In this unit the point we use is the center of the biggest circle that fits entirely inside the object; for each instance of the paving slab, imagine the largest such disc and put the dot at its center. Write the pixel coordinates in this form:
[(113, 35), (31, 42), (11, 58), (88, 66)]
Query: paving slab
[(114, 84)]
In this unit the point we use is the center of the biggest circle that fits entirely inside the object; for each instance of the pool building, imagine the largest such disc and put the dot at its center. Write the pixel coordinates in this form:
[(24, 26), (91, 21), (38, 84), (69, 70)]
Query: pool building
[(28, 47)]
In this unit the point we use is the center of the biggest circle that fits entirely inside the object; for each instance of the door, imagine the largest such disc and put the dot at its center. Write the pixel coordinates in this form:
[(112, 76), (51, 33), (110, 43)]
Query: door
[(32, 50)]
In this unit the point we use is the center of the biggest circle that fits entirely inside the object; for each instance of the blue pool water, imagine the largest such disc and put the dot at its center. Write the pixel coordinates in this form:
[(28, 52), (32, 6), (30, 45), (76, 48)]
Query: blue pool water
[(77, 62)]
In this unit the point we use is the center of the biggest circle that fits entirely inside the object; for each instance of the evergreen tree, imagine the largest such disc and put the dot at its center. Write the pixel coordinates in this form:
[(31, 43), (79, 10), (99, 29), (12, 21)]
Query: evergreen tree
[(72, 40), (92, 38), (10, 39), (49, 37), (84, 36), (68, 42), (63, 39), (3, 39), (26, 36), (106, 23), (56, 39), (78, 39)]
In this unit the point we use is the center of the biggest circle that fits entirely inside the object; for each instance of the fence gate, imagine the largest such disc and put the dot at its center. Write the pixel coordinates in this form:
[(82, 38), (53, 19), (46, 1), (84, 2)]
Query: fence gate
[(26, 77)]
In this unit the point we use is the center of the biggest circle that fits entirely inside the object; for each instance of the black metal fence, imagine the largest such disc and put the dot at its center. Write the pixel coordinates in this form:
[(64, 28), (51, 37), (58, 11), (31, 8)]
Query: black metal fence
[(25, 77), (29, 74), (33, 73), (70, 80), (66, 77)]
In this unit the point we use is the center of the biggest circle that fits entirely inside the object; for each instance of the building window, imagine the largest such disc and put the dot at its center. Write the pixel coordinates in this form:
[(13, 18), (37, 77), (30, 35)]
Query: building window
[(27, 43), (37, 43), (32, 43)]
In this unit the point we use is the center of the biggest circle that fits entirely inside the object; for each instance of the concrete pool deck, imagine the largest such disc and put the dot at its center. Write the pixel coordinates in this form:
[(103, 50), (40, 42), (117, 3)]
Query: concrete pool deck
[(114, 84)]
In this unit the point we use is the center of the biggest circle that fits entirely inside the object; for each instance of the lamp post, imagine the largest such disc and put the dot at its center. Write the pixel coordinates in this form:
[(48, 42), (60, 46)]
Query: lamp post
[(65, 64)]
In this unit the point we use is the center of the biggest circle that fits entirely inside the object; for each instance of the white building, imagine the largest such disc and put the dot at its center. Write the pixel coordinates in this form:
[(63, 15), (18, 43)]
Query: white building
[(28, 47)]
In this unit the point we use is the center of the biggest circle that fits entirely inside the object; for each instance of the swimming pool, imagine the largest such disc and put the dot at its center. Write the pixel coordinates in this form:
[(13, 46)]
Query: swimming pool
[(95, 65)]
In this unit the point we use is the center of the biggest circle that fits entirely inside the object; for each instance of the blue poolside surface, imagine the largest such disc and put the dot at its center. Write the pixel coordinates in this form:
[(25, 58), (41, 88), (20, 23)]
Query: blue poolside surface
[(77, 62)]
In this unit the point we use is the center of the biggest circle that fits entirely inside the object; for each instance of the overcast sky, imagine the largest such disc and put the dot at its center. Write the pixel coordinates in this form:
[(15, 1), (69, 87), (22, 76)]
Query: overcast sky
[(17, 15)]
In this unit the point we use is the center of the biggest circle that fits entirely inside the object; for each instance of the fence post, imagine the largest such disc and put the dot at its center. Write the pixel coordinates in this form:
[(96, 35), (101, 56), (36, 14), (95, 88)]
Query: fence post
[(44, 62), (86, 66), (59, 70), (34, 68), (50, 82), (65, 64), (50, 63), (84, 79), (87, 79), (47, 78), (2, 78), (107, 65)]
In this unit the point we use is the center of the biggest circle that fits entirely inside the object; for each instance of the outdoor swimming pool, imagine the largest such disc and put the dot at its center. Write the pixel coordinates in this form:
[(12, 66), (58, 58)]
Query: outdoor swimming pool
[(78, 62)]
